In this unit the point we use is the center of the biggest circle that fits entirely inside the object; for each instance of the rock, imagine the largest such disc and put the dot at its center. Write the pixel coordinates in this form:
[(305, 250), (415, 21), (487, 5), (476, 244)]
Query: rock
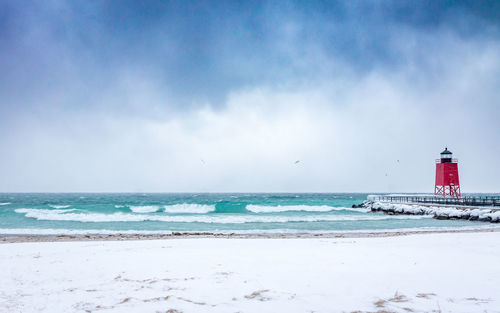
[(441, 217), (465, 216), (484, 219)]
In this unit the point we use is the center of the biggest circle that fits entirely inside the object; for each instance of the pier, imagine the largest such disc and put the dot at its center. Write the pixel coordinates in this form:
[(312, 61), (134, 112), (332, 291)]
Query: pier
[(473, 201), (482, 208)]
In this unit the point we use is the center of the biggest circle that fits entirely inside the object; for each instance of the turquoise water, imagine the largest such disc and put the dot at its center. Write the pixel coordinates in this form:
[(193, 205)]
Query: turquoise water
[(225, 213)]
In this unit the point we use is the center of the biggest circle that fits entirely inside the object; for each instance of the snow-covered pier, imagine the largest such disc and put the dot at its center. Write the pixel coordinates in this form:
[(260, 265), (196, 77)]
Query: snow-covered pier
[(438, 211), (474, 201)]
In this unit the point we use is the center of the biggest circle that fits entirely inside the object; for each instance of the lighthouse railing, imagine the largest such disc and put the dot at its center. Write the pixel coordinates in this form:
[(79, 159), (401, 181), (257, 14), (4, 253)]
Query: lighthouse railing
[(452, 161)]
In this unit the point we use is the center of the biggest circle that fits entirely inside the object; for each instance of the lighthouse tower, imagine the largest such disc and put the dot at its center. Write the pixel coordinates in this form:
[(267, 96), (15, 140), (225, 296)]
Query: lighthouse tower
[(447, 183)]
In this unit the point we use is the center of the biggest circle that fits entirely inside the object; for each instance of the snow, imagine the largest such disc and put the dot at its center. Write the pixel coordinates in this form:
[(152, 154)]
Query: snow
[(450, 272), (441, 211)]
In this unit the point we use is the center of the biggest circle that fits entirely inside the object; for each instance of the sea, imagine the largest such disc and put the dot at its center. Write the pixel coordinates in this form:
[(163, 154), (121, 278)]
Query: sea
[(165, 213)]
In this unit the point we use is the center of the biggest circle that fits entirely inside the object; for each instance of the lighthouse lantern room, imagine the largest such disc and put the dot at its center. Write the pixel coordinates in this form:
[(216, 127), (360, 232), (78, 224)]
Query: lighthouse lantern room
[(447, 183)]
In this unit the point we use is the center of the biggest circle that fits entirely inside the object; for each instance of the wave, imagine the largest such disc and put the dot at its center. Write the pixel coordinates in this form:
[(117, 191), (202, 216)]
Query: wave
[(189, 208), (63, 231), (144, 208), (173, 208), (57, 206), (5, 203), (44, 211), (308, 208), (52, 215)]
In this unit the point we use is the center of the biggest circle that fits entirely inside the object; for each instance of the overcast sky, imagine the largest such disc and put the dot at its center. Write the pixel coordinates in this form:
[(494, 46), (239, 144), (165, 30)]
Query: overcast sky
[(206, 96)]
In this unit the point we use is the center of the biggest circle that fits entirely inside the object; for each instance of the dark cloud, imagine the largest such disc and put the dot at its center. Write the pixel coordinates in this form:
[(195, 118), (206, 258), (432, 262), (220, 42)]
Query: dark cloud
[(82, 80), (199, 51)]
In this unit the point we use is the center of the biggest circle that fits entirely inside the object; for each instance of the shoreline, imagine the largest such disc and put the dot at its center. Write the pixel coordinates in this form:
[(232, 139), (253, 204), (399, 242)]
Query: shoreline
[(5, 239)]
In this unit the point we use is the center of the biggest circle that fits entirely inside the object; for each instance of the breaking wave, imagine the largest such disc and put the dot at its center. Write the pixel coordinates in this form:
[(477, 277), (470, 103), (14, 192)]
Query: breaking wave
[(63, 215), (44, 211), (56, 206), (5, 203), (173, 208), (189, 208), (76, 232), (144, 208), (307, 208)]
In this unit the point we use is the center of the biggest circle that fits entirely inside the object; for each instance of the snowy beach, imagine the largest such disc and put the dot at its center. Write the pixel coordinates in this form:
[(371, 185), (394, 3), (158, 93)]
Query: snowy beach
[(440, 272)]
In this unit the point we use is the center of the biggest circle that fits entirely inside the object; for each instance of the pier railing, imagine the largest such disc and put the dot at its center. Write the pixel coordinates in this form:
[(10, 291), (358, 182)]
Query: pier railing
[(467, 200)]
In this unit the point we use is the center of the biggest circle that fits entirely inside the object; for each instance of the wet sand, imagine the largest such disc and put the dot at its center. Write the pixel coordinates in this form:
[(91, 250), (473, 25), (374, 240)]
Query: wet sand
[(187, 235)]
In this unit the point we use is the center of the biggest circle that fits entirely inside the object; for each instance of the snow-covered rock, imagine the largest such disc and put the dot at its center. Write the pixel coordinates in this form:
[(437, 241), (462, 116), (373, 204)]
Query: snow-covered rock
[(439, 212)]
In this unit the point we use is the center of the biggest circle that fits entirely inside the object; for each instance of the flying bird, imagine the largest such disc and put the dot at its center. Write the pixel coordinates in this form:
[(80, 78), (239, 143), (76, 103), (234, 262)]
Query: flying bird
[(296, 162)]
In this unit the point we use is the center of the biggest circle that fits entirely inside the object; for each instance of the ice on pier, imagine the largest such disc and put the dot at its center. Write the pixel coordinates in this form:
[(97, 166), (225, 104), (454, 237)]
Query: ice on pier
[(436, 211)]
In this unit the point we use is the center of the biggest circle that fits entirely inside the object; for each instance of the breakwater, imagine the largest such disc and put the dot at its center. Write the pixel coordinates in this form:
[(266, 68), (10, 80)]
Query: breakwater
[(443, 212)]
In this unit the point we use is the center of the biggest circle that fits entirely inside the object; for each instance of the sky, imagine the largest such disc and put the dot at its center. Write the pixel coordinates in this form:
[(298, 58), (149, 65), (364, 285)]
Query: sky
[(227, 96)]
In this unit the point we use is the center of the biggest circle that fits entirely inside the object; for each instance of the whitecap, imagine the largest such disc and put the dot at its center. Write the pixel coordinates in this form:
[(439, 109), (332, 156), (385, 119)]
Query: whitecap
[(5, 203), (144, 208), (62, 231), (50, 215), (308, 208), (189, 208), (58, 206), (44, 211)]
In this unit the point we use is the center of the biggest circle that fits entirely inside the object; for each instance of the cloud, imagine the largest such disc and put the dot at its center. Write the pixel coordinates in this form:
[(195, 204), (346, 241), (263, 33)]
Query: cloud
[(347, 90)]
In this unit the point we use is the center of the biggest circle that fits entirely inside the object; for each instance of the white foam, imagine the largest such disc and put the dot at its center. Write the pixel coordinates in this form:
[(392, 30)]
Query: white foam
[(189, 208), (62, 231), (56, 206), (44, 211), (5, 203), (52, 215), (308, 208), (144, 208), (119, 206)]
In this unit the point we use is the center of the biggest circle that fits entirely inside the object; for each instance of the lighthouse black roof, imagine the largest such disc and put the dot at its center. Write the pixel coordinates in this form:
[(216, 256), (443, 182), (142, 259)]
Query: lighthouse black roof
[(446, 151)]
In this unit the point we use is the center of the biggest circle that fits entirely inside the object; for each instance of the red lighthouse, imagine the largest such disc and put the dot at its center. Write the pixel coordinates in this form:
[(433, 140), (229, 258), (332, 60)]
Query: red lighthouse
[(447, 183)]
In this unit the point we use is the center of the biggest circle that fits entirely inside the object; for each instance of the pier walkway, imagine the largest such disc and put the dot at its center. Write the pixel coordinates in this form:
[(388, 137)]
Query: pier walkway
[(493, 201)]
